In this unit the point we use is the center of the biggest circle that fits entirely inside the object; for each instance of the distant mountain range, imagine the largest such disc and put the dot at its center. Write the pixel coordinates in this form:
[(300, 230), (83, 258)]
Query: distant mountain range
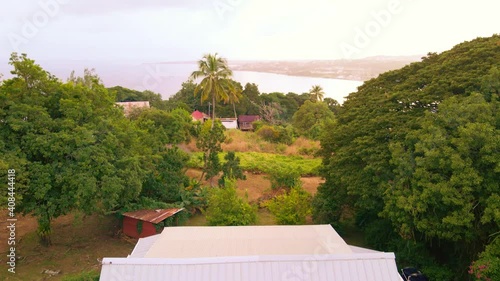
[(359, 69)]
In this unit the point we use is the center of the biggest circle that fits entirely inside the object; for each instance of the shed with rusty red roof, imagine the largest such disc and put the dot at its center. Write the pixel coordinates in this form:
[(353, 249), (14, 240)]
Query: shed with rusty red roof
[(245, 122), (144, 223)]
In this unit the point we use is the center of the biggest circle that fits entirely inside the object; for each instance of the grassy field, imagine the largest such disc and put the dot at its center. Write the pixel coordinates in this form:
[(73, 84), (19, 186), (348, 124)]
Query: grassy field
[(239, 141), (78, 245), (260, 156), (261, 162)]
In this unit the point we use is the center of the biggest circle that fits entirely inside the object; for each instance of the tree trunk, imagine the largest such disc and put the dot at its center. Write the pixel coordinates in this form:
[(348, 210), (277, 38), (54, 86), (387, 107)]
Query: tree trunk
[(44, 230), (213, 110), (234, 109)]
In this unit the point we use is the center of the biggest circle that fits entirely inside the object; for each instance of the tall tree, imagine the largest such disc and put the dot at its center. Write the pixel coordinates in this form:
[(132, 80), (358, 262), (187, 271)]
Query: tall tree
[(316, 93), (398, 164), (309, 120), (216, 84), (209, 141), (75, 149)]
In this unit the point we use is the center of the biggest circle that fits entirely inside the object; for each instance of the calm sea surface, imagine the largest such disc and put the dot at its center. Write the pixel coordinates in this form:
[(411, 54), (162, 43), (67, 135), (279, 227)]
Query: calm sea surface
[(167, 79)]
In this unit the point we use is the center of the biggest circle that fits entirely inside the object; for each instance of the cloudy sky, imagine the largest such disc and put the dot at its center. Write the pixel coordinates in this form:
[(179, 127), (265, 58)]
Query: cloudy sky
[(175, 30)]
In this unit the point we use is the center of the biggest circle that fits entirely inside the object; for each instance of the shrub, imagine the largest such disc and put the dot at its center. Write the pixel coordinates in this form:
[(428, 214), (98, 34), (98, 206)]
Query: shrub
[(231, 169), (487, 267), (277, 134), (257, 125), (284, 178), (268, 133), (226, 208), (309, 151), (291, 208), (286, 134), (281, 148)]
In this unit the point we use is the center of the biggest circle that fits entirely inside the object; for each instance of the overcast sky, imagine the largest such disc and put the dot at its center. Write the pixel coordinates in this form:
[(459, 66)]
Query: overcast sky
[(173, 30)]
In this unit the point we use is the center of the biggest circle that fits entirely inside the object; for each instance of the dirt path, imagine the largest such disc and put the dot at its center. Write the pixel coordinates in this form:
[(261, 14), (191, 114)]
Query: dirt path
[(257, 184)]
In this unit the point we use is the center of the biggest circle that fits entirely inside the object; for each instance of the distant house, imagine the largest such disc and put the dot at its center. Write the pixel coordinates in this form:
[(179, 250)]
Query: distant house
[(142, 223), (245, 122), (250, 253), (129, 106), (199, 116), (229, 123)]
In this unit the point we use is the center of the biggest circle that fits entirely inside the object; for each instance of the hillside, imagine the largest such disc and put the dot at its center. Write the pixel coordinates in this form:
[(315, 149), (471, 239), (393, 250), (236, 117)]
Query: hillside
[(414, 152)]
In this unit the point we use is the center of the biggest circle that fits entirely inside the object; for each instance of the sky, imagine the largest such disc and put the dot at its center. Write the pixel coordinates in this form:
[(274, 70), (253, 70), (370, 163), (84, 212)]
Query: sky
[(175, 30)]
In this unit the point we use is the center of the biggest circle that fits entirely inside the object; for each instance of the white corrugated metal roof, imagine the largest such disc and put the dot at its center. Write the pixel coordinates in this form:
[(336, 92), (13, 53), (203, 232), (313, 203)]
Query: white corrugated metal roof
[(358, 267), (250, 253), (143, 246), (197, 242)]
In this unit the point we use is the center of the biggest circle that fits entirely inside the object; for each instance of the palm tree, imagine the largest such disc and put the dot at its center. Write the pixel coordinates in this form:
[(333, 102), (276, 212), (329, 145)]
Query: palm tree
[(216, 84), (234, 95), (316, 93)]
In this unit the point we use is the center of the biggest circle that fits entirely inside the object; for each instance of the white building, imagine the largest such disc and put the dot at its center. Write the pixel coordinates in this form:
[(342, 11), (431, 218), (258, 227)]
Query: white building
[(250, 253), (229, 123)]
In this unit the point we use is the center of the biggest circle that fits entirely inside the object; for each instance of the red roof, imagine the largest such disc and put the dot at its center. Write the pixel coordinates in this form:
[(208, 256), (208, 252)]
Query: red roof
[(248, 118), (153, 216), (198, 115)]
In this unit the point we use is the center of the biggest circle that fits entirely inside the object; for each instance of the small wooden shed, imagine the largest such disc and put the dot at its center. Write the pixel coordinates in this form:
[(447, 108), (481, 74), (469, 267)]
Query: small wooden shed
[(245, 122), (142, 223)]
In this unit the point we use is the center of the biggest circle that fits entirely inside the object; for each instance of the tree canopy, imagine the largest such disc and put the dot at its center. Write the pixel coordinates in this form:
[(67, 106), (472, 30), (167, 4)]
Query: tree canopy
[(73, 149), (311, 117), (76, 149), (417, 149)]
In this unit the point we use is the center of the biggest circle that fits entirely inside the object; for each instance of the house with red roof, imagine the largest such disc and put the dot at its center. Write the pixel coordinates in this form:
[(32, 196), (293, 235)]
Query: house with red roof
[(199, 116)]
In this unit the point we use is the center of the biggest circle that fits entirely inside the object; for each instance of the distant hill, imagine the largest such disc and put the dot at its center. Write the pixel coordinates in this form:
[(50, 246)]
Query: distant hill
[(166, 77), (359, 69)]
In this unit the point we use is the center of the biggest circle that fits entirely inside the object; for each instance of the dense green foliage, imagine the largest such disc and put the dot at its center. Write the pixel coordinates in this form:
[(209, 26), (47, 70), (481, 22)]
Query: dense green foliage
[(123, 94), (73, 149), (275, 108), (267, 163), (166, 180), (414, 155), (487, 267), (225, 207), (276, 134), (209, 141), (284, 178), (71, 145), (311, 118), (291, 208), (231, 169)]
